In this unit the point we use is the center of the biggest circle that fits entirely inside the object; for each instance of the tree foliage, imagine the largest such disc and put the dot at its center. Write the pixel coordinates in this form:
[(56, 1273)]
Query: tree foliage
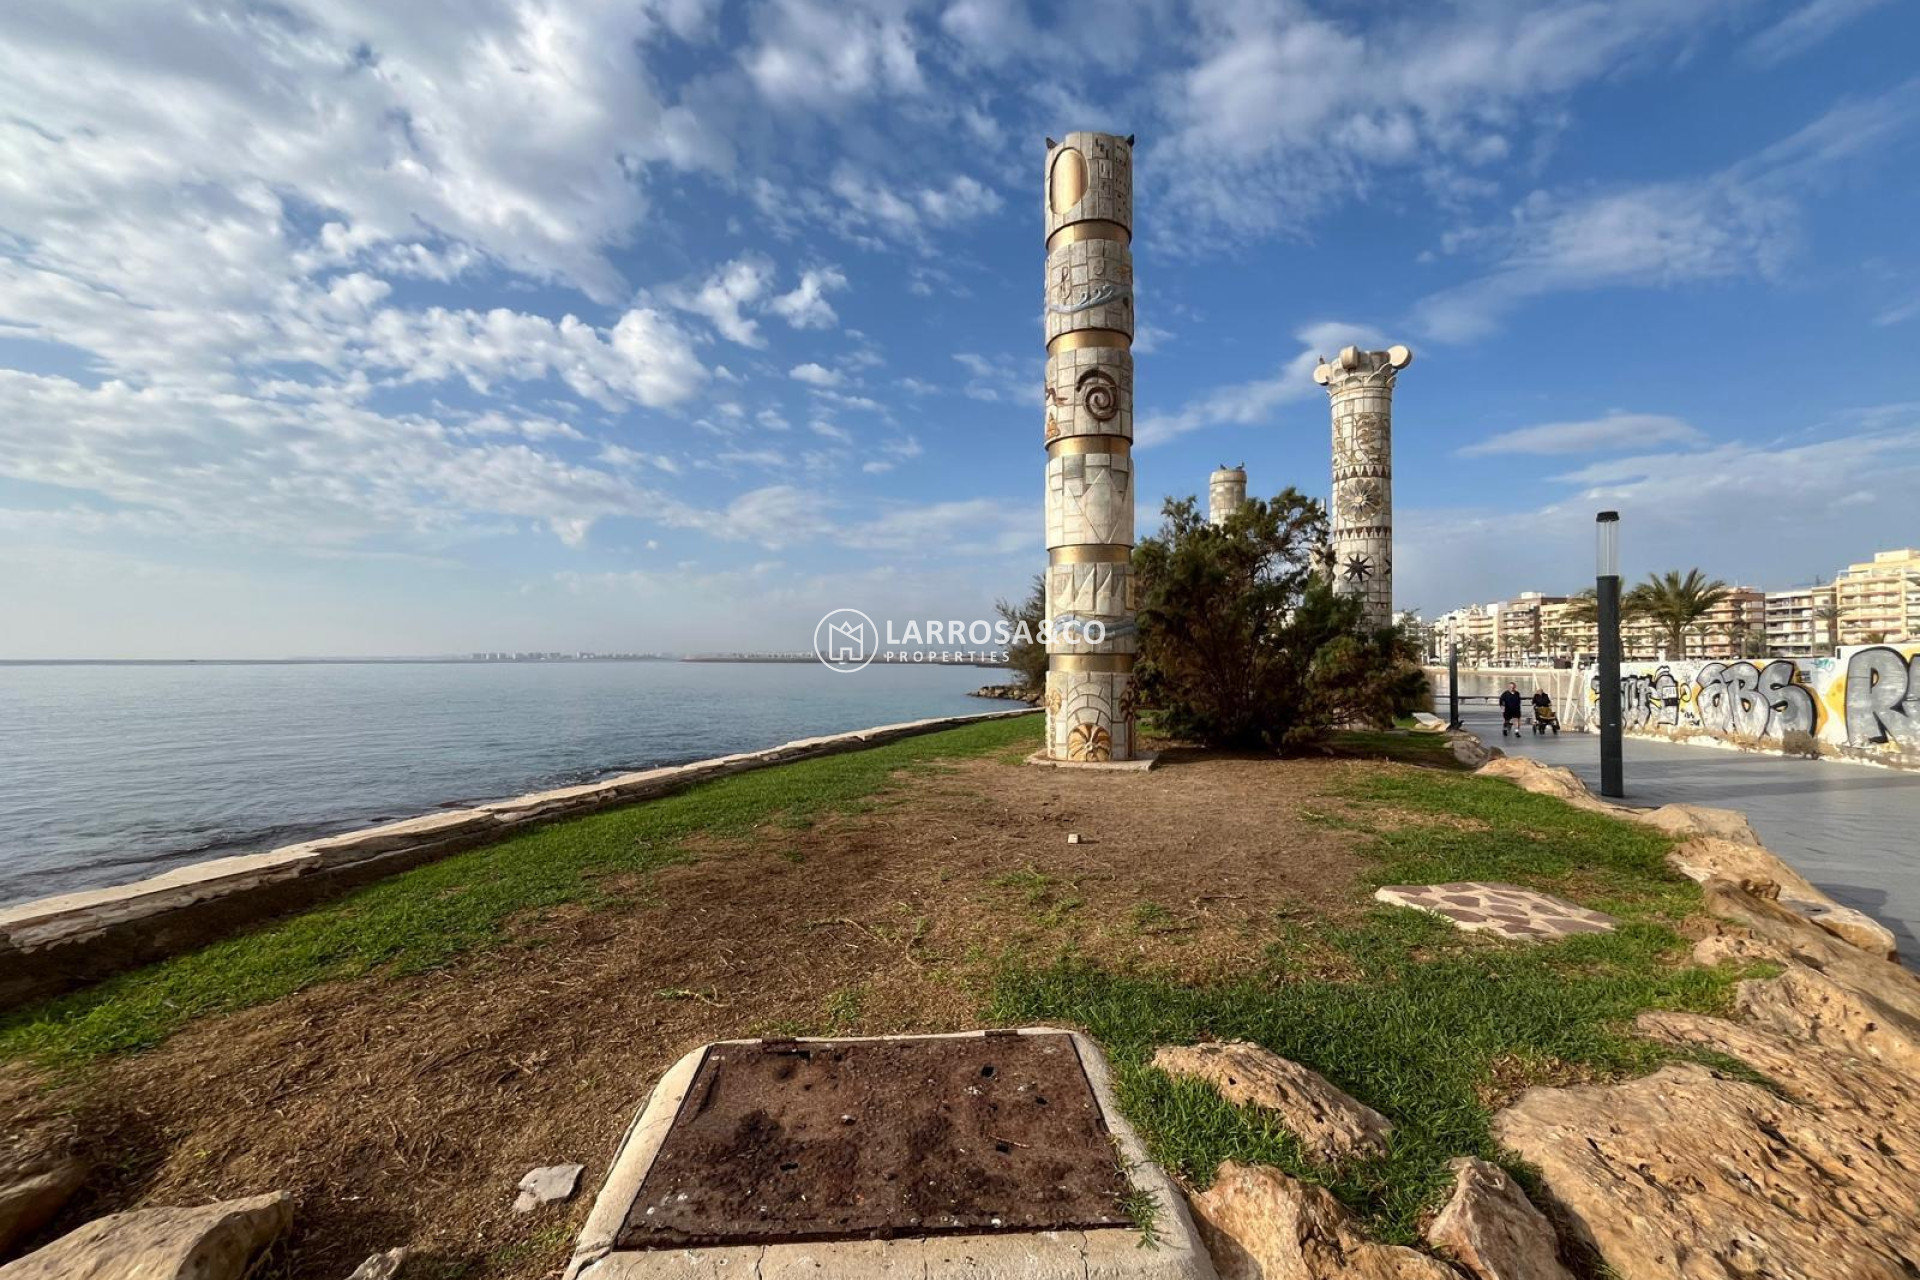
[(1027, 658), (1675, 603), (1244, 644)]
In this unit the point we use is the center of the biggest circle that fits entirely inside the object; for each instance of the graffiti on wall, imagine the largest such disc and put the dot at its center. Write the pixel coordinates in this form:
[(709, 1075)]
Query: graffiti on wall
[(1866, 700), (1883, 698)]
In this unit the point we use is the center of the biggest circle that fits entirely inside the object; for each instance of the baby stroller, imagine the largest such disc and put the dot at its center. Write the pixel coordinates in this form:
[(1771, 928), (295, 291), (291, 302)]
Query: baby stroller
[(1544, 719)]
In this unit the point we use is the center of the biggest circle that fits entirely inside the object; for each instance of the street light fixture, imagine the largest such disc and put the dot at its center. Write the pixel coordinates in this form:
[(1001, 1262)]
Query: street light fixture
[(1453, 678), (1607, 610)]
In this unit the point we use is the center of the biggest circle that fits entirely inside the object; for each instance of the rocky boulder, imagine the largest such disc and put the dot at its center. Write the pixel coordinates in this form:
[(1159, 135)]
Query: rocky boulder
[(38, 1174), (1490, 1227), (1470, 751), (1332, 1126), (1766, 875), (1802, 1004), (1541, 779), (1690, 1175), (215, 1242), (1259, 1224), (1689, 820), (1777, 932)]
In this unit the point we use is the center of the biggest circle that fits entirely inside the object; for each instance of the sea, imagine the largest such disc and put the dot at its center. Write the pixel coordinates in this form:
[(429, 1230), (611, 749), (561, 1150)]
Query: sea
[(111, 772)]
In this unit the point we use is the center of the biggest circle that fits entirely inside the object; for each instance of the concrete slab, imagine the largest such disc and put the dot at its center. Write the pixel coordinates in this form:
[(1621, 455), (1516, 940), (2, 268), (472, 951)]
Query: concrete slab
[(1116, 1253)]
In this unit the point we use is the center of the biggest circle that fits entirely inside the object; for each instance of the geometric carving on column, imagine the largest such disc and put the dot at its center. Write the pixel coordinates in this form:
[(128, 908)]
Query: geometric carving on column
[(1360, 392), (1087, 307)]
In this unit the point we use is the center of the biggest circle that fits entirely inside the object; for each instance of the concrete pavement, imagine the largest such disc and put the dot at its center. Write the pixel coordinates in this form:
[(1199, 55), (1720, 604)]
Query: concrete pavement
[(1853, 830)]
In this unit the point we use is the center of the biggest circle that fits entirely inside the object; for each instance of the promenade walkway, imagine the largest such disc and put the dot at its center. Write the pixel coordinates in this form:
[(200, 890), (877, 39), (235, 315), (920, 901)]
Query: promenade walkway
[(1853, 830)]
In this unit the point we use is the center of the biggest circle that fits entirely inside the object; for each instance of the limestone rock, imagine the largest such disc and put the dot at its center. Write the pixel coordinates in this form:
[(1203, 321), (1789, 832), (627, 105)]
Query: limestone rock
[(1857, 927), (1492, 1229), (1259, 1224), (547, 1186), (1804, 1005), (1469, 750), (1696, 820), (1887, 985), (214, 1242), (1689, 1175), (1766, 875), (381, 1266), (1330, 1125), (38, 1174), (1542, 779)]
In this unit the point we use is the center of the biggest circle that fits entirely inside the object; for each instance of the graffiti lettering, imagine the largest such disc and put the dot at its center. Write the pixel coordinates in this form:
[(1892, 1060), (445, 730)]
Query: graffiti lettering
[(1883, 699), (1863, 702), (1649, 700), (1754, 702)]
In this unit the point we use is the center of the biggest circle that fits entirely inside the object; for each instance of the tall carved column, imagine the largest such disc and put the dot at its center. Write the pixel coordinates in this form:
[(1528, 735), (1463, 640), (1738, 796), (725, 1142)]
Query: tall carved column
[(1360, 385), (1089, 440), (1226, 493)]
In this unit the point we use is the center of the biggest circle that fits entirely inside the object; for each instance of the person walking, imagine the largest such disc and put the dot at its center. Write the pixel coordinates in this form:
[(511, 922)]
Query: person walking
[(1510, 709)]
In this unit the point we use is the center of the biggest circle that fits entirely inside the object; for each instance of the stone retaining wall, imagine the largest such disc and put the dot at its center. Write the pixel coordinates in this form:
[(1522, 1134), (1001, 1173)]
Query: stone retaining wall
[(54, 944)]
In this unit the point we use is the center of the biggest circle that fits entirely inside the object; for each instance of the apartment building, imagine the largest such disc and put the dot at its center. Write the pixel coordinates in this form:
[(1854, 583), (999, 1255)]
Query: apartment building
[(1797, 625), (1736, 627), (1879, 600)]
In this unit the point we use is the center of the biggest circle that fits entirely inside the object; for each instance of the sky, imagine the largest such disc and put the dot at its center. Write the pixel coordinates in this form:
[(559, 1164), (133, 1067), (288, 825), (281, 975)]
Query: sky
[(351, 328)]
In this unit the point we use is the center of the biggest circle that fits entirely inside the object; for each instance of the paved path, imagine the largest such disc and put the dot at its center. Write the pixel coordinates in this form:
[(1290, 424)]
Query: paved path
[(1852, 829)]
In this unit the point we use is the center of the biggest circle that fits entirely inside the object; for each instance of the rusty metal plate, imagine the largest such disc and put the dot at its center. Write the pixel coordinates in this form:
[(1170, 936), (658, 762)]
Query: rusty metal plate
[(780, 1142)]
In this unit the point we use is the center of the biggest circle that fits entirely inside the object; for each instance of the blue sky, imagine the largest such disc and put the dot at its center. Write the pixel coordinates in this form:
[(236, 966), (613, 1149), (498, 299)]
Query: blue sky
[(333, 327)]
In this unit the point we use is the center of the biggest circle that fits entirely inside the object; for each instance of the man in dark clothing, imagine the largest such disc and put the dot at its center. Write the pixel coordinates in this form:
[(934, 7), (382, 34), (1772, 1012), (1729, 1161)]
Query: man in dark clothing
[(1510, 709)]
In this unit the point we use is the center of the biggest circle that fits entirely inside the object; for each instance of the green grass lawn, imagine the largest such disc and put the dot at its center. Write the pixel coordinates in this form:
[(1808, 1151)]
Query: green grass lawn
[(1430, 1026), (435, 913)]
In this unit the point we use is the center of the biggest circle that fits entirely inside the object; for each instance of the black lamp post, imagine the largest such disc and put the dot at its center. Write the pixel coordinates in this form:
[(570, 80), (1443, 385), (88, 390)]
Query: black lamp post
[(1453, 679), (1607, 601)]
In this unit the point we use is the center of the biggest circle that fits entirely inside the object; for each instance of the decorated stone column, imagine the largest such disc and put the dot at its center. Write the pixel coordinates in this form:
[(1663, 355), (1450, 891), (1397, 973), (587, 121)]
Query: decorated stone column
[(1226, 493), (1089, 442), (1360, 385)]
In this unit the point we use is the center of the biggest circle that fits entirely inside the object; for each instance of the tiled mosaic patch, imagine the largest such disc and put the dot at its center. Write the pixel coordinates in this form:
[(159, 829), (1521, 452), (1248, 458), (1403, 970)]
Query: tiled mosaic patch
[(1503, 909)]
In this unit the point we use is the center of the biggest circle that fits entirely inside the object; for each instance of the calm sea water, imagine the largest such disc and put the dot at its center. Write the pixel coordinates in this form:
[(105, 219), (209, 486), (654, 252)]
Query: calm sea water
[(111, 773)]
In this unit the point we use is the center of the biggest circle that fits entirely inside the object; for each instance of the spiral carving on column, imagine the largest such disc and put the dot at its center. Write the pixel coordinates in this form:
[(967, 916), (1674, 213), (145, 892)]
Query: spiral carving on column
[(1100, 394)]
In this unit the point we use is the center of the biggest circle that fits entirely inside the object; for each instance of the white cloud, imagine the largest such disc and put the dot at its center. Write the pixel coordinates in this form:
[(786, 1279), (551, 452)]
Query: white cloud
[(1253, 403), (521, 132), (984, 526), (814, 375), (1286, 110), (723, 296), (1003, 379), (311, 475), (827, 54), (831, 431), (1805, 27), (806, 307), (1741, 221), (1612, 434)]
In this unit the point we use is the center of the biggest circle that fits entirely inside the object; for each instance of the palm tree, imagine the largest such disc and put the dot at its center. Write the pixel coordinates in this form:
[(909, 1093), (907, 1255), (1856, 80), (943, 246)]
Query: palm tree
[(1583, 606), (1675, 603), (1830, 614)]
